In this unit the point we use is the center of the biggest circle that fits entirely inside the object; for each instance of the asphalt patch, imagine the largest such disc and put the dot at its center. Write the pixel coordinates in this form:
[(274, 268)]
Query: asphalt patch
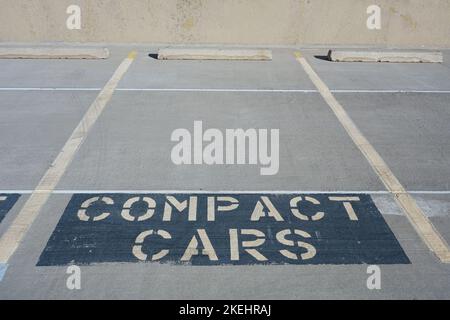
[(222, 229), (7, 201)]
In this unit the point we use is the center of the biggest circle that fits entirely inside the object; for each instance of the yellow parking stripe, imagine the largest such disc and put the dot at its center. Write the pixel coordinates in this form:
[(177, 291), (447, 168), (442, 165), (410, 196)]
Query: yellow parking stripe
[(420, 222), (15, 233)]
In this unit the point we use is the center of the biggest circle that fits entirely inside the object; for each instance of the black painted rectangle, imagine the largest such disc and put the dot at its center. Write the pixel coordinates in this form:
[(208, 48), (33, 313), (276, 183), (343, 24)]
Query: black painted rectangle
[(352, 233), (7, 201)]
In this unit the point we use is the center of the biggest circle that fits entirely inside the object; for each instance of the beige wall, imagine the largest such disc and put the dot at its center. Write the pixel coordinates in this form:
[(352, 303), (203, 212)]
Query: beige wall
[(276, 22)]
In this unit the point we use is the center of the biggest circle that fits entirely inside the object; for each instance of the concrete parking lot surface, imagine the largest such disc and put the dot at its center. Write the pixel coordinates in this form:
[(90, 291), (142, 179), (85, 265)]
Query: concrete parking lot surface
[(124, 166)]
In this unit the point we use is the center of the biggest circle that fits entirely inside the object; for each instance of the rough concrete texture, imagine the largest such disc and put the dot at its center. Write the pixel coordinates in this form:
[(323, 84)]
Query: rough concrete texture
[(213, 54), (54, 53), (386, 56), (284, 22), (129, 149)]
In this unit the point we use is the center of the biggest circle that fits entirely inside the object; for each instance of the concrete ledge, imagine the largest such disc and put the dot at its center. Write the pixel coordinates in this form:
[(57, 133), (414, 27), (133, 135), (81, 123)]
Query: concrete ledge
[(214, 54), (386, 56), (54, 53)]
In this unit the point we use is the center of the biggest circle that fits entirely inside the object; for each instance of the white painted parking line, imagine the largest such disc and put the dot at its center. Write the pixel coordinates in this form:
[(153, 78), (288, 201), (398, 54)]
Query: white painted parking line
[(74, 191), (50, 89), (390, 91), (217, 90), (161, 89), (355, 91), (17, 230), (418, 219)]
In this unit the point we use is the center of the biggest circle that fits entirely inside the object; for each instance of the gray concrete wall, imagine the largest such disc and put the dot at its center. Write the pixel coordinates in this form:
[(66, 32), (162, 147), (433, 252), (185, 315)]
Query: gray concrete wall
[(276, 22)]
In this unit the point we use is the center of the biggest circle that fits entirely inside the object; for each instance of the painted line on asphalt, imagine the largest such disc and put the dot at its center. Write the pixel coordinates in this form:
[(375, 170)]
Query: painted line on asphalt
[(388, 91), (50, 89), (218, 90), (73, 191), (11, 239), (418, 219), (162, 89), (196, 191), (356, 91)]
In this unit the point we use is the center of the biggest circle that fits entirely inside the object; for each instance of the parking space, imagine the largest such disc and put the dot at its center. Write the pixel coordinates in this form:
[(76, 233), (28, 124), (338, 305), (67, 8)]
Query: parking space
[(34, 126), (135, 132), (59, 73), (423, 278), (437, 208), (279, 74), (411, 133), (380, 77), (95, 216)]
